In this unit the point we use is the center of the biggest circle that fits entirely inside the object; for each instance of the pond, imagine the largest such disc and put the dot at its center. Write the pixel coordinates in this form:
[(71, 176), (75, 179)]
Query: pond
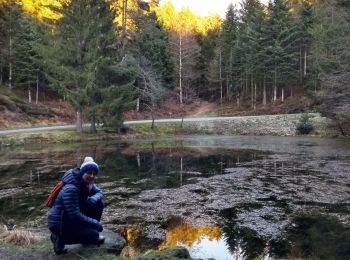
[(222, 197)]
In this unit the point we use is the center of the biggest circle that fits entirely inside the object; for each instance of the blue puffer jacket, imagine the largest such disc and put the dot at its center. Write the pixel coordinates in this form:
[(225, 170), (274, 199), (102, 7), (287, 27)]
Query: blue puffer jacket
[(73, 195)]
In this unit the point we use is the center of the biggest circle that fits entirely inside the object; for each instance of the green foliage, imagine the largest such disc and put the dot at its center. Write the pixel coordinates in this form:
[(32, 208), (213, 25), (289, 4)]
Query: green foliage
[(83, 43), (117, 95), (26, 69), (331, 60), (304, 126), (150, 41), (10, 15), (320, 237)]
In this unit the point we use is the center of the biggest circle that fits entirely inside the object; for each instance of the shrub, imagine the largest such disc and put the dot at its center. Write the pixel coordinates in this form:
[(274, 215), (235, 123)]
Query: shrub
[(304, 126)]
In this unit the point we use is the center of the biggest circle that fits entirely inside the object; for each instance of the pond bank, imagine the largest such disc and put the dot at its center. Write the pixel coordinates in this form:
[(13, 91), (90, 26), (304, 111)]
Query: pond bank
[(111, 249), (274, 125), (59, 136)]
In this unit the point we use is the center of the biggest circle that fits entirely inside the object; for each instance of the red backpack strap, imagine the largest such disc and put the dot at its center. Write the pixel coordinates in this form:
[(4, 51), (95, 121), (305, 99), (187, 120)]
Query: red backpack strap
[(54, 193)]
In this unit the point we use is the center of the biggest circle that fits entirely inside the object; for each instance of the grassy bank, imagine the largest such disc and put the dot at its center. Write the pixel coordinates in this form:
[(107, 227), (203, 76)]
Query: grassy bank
[(43, 250), (57, 136), (277, 125)]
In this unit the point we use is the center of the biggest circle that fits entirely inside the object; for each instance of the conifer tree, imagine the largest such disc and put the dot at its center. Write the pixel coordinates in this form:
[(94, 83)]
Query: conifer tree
[(150, 40), (83, 40), (306, 19), (26, 70), (250, 36), (330, 59), (149, 47), (281, 40), (228, 41), (10, 13)]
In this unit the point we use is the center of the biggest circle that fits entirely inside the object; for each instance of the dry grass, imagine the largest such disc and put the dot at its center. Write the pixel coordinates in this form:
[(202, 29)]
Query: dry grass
[(18, 236)]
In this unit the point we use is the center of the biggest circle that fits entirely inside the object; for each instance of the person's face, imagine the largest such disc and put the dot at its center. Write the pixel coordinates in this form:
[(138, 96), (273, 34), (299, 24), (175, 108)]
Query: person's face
[(89, 176)]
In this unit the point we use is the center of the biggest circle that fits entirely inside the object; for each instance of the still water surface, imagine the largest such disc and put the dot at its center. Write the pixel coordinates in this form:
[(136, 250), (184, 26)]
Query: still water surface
[(221, 197)]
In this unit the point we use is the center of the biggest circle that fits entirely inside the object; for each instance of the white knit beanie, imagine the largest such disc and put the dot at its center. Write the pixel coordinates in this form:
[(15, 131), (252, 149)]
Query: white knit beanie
[(88, 165)]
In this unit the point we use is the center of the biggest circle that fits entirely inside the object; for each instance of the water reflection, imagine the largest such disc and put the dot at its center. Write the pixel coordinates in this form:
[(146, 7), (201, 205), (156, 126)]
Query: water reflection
[(311, 235), (242, 194), (172, 167)]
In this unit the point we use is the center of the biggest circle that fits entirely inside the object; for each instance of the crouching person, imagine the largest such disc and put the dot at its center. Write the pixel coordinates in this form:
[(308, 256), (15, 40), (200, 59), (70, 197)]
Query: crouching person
[(76, 212)]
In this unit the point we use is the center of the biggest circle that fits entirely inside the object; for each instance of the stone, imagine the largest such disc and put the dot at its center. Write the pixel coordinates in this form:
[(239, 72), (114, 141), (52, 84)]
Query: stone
[(114, 243), (177, 252)]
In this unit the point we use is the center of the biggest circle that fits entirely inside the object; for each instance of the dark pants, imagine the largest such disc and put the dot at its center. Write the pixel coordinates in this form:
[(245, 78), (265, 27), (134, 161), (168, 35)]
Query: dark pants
[(79, 234)]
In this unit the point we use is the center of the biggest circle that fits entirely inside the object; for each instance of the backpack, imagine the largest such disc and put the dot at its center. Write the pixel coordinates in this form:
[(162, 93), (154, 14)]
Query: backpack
[(53, 194)]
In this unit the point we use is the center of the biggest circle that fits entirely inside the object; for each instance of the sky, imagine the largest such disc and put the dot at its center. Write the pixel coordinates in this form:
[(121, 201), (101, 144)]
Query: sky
[(203, 7)]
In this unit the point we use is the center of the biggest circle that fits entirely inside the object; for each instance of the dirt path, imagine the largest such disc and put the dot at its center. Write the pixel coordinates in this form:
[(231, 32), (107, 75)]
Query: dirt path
[(204, 108)]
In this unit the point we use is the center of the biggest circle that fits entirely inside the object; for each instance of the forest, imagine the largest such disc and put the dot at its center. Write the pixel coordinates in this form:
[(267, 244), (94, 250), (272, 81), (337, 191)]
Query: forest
[(106, 57)]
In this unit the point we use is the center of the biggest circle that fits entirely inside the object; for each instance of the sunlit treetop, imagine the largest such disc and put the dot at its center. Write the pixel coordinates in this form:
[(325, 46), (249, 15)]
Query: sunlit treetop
[(294, 3), (185, 21), (39, 9), (132, 6)]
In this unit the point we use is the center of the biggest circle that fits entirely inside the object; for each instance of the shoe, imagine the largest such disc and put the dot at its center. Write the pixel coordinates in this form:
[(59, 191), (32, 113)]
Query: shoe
[(58, 244), (100, 240)]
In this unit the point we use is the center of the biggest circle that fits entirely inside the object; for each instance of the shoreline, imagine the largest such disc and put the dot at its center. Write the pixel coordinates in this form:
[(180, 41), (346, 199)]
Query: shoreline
[(268, 125)]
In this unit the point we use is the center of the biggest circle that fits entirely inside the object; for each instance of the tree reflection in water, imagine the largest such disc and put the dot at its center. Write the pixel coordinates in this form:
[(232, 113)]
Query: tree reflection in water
[(309, 236)]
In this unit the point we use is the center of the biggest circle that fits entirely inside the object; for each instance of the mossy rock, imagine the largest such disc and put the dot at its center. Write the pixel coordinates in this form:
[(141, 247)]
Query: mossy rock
[(177, 252), (9, 104)]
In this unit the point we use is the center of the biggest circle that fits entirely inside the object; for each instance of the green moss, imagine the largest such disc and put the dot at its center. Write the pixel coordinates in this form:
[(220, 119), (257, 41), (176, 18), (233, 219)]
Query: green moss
[(43, 250), (177, 252), (159, 128)]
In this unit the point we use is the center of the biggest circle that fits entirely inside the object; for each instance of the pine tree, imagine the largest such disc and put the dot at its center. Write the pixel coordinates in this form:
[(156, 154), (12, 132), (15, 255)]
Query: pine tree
[(306, 19), (250, 48), (330, 59), (83, 40), (26, 70), (150, 40), (118, 93), (204, 83), (10, 13), (228, 42), (151, 59), (281, 38)]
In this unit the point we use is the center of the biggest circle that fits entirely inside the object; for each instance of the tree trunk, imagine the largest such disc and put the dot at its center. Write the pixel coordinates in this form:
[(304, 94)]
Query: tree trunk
[(93, 123), (37, 90), (10, 62), (264, 92), (152, 115), (153, 160), (138, 104), (220, 77), (300, 65), (138, 159), (245, 85), (282, 95), (1, 71), (275, 87), (180, 67), (252, 91), (181, 170), (44, 96), (124, 11), (79, 122), (255, 96), (29, 95), (305, 61)]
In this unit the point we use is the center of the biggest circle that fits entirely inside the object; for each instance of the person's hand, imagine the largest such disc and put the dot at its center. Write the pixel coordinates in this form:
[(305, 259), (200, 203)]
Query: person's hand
[(99, 227), (91, 201)]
